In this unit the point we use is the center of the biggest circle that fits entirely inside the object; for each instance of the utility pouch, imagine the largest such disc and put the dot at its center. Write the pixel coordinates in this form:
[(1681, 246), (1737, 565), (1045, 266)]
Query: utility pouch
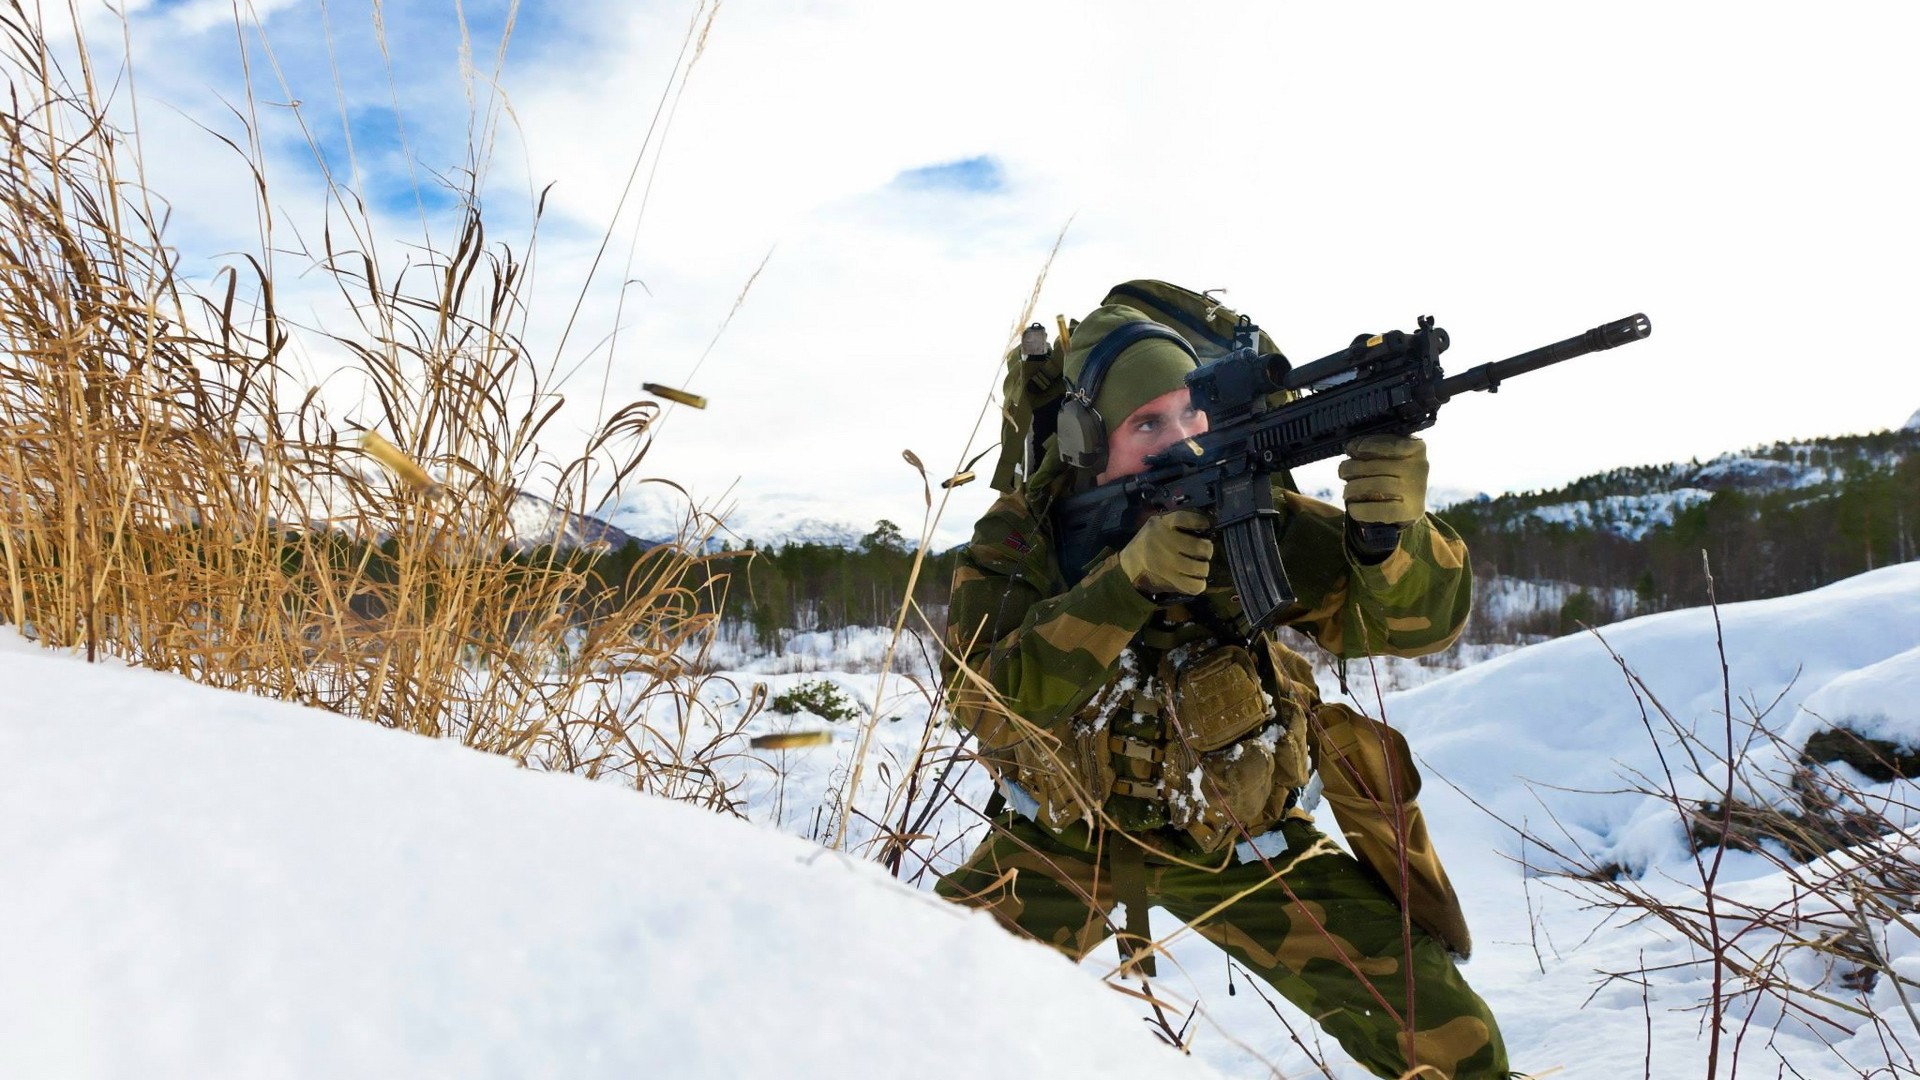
[(1221, 756), (1292, 701), (1071, 779), (1217, 697), (1213, 796)]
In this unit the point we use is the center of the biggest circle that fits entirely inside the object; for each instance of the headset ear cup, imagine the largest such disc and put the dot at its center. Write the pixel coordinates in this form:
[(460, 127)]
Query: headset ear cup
[(1083, 436)]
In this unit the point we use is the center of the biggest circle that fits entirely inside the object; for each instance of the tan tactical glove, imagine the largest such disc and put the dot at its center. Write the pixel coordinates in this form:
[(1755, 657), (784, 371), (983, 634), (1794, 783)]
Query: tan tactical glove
[(1169, 555), (1386, 479)]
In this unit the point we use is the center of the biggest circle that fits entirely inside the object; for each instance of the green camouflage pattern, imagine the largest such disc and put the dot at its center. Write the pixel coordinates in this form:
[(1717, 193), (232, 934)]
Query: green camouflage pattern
[(1042, 672), (1370, 782), (1076, 695), (1311, 923), (1206, 323)]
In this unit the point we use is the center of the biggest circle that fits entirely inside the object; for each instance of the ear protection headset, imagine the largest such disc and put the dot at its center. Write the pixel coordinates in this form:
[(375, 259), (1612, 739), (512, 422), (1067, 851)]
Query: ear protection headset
[(1082, 431)]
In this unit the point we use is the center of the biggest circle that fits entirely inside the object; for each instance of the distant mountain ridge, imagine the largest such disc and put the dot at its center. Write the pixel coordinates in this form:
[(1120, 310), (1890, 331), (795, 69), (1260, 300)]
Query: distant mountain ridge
[(662, 514), (1631, 500), (1770, 520), (537, 522)]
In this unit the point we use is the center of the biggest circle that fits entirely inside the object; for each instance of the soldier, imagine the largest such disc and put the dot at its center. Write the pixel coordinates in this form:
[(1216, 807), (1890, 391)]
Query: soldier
[(1149, 749)]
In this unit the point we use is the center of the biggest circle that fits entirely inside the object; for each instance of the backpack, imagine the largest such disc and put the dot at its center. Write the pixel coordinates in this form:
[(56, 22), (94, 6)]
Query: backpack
[(1035, 385)]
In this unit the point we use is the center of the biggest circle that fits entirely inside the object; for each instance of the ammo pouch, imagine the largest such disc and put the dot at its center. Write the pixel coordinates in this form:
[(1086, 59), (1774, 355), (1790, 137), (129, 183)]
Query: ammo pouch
[(1203, 748), (1071, 780), (1230, 762)]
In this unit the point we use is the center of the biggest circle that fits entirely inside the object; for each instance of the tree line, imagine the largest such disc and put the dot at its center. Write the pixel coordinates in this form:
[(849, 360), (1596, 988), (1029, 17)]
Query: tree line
[(813, 586), (1780, 534), (1783, 519)]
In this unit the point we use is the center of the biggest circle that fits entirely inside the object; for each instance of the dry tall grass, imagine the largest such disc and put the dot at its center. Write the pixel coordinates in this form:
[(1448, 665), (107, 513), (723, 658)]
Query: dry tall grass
[(173, 495), (1819, 947)]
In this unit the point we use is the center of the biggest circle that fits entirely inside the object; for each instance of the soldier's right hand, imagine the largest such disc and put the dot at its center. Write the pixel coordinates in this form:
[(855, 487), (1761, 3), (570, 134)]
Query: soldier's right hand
[(1170, 554)]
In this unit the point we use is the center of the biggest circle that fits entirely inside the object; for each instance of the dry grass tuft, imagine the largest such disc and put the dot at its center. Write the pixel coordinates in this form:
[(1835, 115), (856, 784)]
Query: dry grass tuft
[(172, 494)]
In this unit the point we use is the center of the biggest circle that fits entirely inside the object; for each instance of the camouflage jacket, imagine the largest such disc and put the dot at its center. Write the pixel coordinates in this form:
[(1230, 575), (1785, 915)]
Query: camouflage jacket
[(1072, 690)]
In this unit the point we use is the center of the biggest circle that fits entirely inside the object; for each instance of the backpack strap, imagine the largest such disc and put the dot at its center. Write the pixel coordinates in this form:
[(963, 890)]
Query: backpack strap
[(1164, 312)]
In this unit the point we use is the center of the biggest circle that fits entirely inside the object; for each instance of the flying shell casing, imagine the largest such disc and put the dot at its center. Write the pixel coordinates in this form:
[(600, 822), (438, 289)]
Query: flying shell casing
[(694, 401), (791, 740), (397, 462)]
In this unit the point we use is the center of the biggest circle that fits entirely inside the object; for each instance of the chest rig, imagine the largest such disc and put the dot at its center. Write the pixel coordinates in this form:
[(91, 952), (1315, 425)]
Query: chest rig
[(1204, 733)]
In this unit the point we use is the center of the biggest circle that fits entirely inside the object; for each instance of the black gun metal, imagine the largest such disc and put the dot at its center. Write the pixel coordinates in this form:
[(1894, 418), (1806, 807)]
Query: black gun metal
[(1387, 383)]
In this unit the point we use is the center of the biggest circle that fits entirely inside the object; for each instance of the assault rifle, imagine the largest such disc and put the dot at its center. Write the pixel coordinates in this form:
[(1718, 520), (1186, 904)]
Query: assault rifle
[(1381, 384)]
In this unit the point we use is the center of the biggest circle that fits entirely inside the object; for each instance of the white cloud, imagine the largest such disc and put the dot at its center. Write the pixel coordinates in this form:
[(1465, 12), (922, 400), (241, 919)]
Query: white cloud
[(1521, 171)]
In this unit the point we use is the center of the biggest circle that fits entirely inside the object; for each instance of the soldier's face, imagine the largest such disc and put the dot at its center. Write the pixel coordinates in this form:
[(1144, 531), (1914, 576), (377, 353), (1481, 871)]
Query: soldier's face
[(1150, 429)]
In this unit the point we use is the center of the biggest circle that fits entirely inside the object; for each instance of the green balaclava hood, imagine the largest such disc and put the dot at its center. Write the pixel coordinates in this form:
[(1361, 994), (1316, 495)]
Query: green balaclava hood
[(1148, 368)]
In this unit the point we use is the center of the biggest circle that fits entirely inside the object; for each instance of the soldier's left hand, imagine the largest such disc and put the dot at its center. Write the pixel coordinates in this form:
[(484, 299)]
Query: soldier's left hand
[(1386, 479)]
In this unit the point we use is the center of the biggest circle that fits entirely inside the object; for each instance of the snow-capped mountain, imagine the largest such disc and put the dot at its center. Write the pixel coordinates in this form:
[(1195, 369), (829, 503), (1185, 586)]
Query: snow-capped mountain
[(660, 512), (536, 522), (1631, 501), (326, 502), (1628, 502)]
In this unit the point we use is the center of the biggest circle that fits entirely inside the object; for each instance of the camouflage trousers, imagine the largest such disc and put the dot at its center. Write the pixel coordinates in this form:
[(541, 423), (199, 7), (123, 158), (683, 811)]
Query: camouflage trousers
[(1324, 933)]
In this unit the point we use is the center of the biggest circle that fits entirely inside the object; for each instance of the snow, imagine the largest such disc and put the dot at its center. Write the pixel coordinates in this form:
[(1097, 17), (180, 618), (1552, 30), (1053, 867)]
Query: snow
[(1629, 516), (1499, 598), (1880, 701), (1549, 738), (204, 884), (239, 887), (1766, 474), (535, 522), (770, 523), (1561, 713), (854, 648)]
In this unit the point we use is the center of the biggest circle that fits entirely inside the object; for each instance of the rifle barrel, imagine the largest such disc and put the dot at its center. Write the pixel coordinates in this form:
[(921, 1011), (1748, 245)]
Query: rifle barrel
[(1490, 376)]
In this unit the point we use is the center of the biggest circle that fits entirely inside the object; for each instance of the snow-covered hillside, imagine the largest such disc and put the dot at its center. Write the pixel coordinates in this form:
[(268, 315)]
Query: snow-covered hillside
[(1629, 516), (1553, 728), (1550, 738), (205, 884), (200, 884)]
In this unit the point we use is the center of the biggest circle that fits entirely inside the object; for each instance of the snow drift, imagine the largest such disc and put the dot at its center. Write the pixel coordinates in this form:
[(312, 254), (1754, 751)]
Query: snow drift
[(202, 884)]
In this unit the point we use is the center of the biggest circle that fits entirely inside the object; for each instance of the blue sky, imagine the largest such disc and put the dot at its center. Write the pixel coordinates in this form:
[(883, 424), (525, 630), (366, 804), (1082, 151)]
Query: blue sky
[(1521, 171), (980, 175)]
